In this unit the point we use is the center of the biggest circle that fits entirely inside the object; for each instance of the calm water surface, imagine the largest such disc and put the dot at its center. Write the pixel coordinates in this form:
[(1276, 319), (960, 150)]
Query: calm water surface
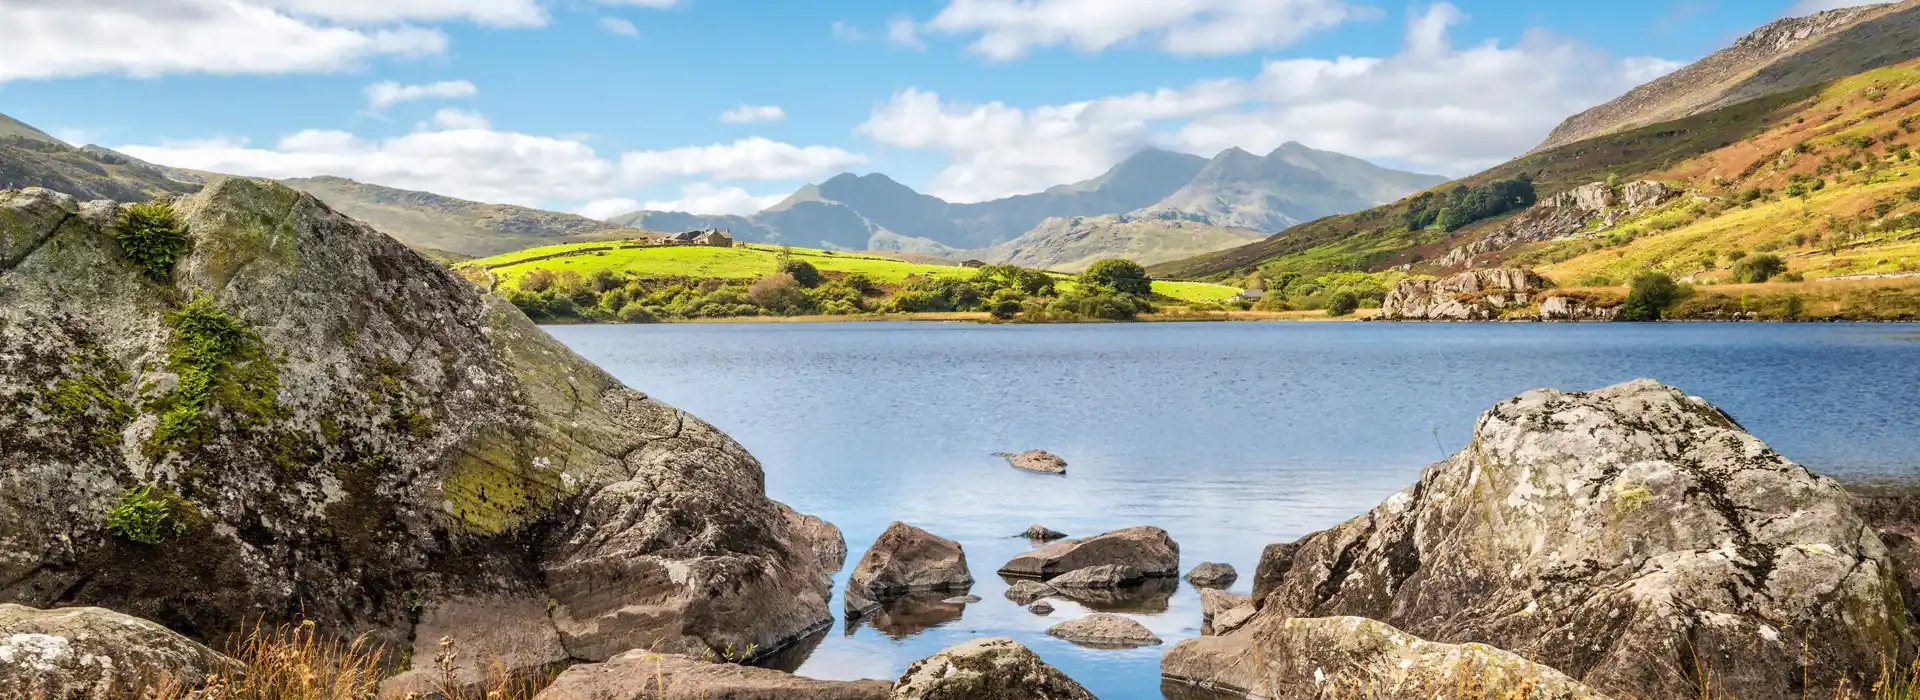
[(1229, 436)]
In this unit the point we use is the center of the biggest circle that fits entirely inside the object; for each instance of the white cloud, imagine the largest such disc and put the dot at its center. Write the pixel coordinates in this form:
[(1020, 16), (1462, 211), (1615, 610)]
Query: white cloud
[(453, 119), (753, 158), (710, 199), (65, 38), (1433, 106), (617, 26), (1807, 7), (1009, 29), (387, 93), (499, 13), (902, 32), (753, 114), (607, 208), (655, 4), (846, 32)]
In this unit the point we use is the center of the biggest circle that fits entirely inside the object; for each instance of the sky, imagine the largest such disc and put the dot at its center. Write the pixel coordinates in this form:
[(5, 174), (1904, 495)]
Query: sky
[(727, 106)]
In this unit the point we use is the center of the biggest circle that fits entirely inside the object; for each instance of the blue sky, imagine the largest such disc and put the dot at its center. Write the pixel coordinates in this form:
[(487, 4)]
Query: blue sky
[(605, 105)]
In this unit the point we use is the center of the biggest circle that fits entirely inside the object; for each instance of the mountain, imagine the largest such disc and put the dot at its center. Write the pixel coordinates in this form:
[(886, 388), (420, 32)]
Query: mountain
[(425, 220), (1290, 185), (1070, 244), (31, 158), (1785, 55)]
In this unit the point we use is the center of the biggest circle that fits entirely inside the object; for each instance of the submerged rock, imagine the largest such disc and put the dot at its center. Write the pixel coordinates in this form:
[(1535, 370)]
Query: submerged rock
[(1632, 537), (1148, 549), (1041, 608), (1352, 657), (907, 559), (644, 675), (1035, 461), (1024, 592), (96, 654), (308, 417), (1042, 534), (1212, 575), (986, 669), (1105, 629)]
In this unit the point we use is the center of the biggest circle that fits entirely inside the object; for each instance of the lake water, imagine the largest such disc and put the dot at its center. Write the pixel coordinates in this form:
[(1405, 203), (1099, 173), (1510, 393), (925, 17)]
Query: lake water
[(1228, 435)]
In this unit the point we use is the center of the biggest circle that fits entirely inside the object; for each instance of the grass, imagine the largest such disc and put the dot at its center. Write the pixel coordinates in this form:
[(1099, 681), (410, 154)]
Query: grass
[(752, 262)]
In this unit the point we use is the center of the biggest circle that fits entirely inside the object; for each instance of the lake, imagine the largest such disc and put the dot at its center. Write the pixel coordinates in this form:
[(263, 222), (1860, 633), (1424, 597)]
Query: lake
[(1228, 435)]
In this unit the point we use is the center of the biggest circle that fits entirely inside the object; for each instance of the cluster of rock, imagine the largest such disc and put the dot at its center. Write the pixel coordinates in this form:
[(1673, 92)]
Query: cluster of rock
[(1631, 541), (1592, 206), (1487, 295)]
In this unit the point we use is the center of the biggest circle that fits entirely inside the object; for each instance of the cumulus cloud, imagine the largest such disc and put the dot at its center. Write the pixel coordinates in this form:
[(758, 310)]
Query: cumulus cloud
[(711, 199), (498, 13), (387, 93), (1009, 29), (846, 32), (1432, 106), (753, 114), (618, 27), (755, 158), (460, 119), (607, 208), (902, 32)]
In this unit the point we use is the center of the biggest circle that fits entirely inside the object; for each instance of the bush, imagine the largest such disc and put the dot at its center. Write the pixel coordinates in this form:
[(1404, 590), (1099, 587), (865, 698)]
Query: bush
[(1758, 268), (803, 272), (1117, 275), (1005, 309), (1649, 296), (633, 312), (779, 293), (1342, 304), (152, 238), (1913, 194)]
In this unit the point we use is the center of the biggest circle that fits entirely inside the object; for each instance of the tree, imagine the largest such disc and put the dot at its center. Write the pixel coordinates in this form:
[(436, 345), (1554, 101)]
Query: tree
[(1343, 303), (1758, 268), (803, 272), (1649, 296), (1118, 275)]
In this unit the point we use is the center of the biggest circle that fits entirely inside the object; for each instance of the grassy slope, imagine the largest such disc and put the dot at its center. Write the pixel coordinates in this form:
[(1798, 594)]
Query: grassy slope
[(753, 262)]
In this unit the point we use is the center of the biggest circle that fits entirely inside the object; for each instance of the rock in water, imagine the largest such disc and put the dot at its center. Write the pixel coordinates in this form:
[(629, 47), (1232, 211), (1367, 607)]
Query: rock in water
[(1024, 592), (1035, 461), (302, 415), (96, 654), (986, 669), (1041, 608), (1212, 575), (827, 542), (906, 559), (644, 675), (1352, 657), (1148, 549), (1042, 534), (1103, 629), (1222, 612), (1104, 576), (1621, 536)]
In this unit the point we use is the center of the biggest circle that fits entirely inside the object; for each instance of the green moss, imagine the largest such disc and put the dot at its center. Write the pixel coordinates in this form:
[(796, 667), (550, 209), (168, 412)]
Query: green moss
[(218, 362), (152, 238), (494, 488), (84, 400), (149, 515)]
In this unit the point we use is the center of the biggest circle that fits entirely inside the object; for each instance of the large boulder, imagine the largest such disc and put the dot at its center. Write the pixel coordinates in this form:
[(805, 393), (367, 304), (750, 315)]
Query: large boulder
[(1633, 537), (986, 669), (906, 559), (1213, 575), (1473, 295), (1148, 549), (302, 417), (1352, 657), (97, 654), (825, 538), (644, 675), (1893, 510)]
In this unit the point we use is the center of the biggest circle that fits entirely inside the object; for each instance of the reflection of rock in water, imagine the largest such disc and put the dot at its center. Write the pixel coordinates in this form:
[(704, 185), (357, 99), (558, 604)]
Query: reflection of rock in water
[(911, 614), (790, 657), (1149, 596), (1175, 690)]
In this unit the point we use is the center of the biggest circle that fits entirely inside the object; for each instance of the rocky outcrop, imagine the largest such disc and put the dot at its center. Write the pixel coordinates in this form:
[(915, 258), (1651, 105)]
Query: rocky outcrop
[(1212, 575), (1024, 592), (1474, 295), (1105, 630), (1353, 657), (300, 416), (97, 654), (1633, 537), (644, 675), (1566, 214), (1103, 576), (1035, 461), (1148, 549), (1222, 612), (906, 559), (1572, 307), (986, 669)]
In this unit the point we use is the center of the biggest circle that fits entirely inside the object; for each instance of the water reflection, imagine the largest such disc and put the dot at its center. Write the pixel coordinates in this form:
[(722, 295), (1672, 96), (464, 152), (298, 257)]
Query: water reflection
[(790, 657), (1149, 597), (909, 615)]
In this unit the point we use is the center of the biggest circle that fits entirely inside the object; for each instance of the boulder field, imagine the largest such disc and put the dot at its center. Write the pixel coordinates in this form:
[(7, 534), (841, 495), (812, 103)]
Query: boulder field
[(1632, 542), (257, 407)]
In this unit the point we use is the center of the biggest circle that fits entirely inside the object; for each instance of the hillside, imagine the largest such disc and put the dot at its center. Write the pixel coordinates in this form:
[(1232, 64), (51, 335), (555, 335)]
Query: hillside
[(1785, 55), (1071, 244), (425, 220), (31, 158)]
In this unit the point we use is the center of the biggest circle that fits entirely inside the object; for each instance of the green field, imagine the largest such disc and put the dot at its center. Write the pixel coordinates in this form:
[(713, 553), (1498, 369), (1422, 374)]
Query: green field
[(750, 263)]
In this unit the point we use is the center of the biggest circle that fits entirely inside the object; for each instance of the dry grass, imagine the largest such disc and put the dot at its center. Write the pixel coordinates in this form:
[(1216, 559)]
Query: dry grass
[(297, 662)]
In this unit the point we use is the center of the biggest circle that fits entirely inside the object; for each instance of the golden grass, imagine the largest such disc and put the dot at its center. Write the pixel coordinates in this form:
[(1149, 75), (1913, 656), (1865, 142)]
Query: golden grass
[(297, 662)]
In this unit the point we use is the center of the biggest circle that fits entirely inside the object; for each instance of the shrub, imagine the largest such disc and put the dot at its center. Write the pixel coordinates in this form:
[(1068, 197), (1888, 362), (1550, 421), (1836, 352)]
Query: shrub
[(1792, 277), (802, 272), (603, 280), (779, 293), (1342, 304), (1005, 309), (151, 237), (1118, 275), (633, 312), (1735, 256), (146, 515), (1649, 296), (538, 280), (1913, 194), (1758, 268)]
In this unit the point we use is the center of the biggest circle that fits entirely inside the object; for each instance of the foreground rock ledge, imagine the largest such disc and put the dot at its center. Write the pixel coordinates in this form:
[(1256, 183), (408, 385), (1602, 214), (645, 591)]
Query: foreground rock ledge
[(406, 448), (1616, 535), (95, 653), (644, 675), (986, 669)]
